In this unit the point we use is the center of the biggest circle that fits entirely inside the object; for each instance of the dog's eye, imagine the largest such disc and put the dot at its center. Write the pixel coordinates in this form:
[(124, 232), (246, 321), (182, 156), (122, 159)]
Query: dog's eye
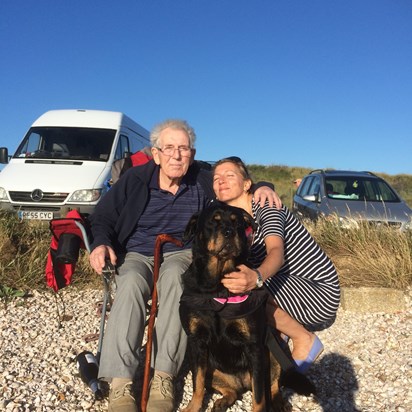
[(233, 217)]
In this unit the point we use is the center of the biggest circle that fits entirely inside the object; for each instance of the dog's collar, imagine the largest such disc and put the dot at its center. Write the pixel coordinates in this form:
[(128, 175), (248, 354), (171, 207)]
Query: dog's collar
[(232, 299), (230, 307)]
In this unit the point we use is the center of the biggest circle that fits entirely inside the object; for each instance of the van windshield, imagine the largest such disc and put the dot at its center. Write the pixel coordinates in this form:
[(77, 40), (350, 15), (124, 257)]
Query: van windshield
[(72, 143)]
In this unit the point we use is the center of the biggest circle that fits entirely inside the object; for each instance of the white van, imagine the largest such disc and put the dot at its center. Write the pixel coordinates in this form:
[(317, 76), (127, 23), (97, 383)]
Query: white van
[(64, 162)]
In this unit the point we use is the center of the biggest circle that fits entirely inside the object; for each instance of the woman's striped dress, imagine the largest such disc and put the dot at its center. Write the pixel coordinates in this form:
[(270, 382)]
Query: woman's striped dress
[(307, 285)]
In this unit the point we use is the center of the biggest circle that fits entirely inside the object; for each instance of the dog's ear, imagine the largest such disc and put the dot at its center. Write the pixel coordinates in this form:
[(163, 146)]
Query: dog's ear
[(250, 228), (191, 228), (250, 222)]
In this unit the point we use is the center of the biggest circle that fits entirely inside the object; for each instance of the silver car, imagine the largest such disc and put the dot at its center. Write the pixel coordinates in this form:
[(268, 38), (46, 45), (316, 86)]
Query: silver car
[(351, 196)]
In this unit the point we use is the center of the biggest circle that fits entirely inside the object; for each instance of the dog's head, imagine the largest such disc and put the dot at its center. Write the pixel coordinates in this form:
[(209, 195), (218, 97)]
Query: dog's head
[(220, 236)]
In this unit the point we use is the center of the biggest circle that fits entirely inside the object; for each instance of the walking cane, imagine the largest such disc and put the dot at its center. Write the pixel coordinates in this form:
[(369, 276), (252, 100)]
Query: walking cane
[(160, 239)]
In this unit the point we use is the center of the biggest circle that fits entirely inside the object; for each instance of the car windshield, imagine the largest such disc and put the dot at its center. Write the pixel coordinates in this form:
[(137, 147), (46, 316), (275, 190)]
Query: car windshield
[(359, 188), (72, 143)]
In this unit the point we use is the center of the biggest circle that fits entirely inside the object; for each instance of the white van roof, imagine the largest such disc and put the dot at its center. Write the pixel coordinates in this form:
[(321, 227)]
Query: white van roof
[(101, 119)]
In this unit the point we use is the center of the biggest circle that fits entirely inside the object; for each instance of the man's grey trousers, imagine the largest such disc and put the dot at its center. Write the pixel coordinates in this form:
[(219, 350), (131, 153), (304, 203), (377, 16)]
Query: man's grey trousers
[(125, 327)]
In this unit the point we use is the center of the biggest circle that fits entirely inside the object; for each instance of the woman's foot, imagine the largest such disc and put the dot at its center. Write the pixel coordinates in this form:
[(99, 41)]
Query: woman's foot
[(306, 350)]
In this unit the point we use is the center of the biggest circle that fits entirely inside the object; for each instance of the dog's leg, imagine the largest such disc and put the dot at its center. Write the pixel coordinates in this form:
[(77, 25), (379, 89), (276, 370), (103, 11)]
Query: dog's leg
[(199, 359), (276, 399), (229, 387), (195, 405), (277, 403), (259, 361)]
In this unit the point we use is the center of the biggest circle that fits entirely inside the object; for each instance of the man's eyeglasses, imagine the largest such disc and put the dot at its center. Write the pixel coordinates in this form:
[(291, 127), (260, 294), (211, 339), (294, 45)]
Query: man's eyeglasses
[(184, 151)]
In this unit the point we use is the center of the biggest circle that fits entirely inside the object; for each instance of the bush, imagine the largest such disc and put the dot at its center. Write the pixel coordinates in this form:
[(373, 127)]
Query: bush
[(23, 254), (363, 256), (366, 255)]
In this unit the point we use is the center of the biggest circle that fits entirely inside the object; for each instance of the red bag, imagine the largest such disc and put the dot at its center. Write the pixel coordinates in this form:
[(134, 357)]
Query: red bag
[(67, 239), (136, 159)]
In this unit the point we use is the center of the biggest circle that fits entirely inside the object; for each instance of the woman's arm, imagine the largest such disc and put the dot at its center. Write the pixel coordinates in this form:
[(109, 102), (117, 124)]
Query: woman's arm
[(275, 257), (245, 279)]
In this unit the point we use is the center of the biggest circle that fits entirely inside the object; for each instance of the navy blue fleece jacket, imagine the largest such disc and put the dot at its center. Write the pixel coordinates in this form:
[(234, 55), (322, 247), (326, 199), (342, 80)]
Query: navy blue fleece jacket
[(117, 214)]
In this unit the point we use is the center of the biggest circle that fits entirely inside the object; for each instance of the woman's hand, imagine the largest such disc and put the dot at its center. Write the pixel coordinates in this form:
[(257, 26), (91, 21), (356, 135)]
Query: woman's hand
[(265, 193), (240, 282), (99, 255), (245, 279)]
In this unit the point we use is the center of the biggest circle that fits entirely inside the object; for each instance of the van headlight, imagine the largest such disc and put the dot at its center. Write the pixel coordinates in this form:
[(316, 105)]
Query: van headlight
[(86, 195), (3, 195)]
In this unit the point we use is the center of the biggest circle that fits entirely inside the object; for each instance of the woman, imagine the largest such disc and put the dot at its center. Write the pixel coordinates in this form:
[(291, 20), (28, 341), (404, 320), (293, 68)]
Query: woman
[(300, 277)]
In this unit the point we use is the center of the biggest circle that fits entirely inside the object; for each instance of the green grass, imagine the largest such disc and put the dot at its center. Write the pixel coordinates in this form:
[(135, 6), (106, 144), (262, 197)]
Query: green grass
[(364, 256), (24, 246)]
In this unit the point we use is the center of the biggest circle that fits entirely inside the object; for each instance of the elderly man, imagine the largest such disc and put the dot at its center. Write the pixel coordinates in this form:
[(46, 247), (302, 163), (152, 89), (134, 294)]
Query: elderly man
[(158, 197)]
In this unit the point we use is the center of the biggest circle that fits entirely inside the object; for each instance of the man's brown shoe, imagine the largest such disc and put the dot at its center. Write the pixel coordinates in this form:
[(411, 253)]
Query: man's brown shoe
[(161, 397), (121, 399)]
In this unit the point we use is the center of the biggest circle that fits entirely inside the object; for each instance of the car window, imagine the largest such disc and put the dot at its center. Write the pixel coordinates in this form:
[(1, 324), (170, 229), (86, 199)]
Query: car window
[(359, 188), (341, 188), (385, 193), (334, 187), (304, 186), (314, 187), (122, 148)]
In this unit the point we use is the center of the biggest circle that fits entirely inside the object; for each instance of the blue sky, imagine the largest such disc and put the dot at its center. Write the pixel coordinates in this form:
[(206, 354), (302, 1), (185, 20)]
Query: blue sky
[(312, 83)]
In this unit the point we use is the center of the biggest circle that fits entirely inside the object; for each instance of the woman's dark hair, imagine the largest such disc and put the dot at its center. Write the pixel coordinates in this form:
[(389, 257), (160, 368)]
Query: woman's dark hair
[(238, 162)]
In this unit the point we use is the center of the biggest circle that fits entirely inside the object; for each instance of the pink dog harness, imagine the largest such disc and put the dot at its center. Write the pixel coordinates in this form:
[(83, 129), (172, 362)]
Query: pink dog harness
[(228, 307)]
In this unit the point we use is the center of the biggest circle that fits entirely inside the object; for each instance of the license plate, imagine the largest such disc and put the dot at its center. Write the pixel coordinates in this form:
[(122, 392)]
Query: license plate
[(35, 215)]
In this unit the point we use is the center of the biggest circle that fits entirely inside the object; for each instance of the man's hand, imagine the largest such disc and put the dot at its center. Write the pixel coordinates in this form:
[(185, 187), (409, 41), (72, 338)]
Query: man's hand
[(266, 193), (99, 255)]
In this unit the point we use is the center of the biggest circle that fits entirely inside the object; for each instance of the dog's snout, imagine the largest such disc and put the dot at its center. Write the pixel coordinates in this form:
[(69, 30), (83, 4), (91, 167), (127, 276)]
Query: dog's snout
[(228, 232)]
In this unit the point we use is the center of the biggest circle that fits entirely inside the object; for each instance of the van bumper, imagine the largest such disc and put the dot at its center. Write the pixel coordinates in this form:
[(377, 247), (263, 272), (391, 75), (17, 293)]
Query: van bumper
[(41, 212)]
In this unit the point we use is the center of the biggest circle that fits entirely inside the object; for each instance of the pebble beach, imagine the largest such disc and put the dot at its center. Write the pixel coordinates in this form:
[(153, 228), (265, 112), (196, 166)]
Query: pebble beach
[(366, 365)]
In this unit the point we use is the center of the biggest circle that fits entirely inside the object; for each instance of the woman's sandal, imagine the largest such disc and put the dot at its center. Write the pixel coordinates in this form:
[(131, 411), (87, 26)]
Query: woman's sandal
[(302, 366)]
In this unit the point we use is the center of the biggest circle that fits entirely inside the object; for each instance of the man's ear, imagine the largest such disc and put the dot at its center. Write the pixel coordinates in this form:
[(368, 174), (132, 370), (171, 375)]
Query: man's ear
[(155, 155), (192, 156), (190, 230)]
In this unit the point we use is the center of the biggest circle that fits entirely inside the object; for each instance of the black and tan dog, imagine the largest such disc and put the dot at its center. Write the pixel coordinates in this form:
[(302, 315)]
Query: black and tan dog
[(226, 333)]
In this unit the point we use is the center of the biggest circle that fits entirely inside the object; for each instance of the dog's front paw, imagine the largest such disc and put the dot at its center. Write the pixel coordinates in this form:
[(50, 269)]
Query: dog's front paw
[(220, 405), (192, 407)]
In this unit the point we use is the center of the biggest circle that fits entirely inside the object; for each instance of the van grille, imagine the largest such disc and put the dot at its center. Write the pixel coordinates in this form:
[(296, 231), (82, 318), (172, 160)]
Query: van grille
[(34, 208), (48, 197)]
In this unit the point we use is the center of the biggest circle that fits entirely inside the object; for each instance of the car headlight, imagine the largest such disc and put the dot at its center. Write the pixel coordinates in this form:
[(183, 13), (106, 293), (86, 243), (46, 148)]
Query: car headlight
[(3, 195), (86, 195), (407, 225)]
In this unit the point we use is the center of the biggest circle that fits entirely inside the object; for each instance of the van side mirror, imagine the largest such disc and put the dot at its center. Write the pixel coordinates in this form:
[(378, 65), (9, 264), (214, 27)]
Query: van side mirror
[(4, 155)]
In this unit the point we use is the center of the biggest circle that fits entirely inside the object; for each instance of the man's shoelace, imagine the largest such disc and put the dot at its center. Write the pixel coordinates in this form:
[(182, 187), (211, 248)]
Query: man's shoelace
[(126, 390), (163, 385)]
